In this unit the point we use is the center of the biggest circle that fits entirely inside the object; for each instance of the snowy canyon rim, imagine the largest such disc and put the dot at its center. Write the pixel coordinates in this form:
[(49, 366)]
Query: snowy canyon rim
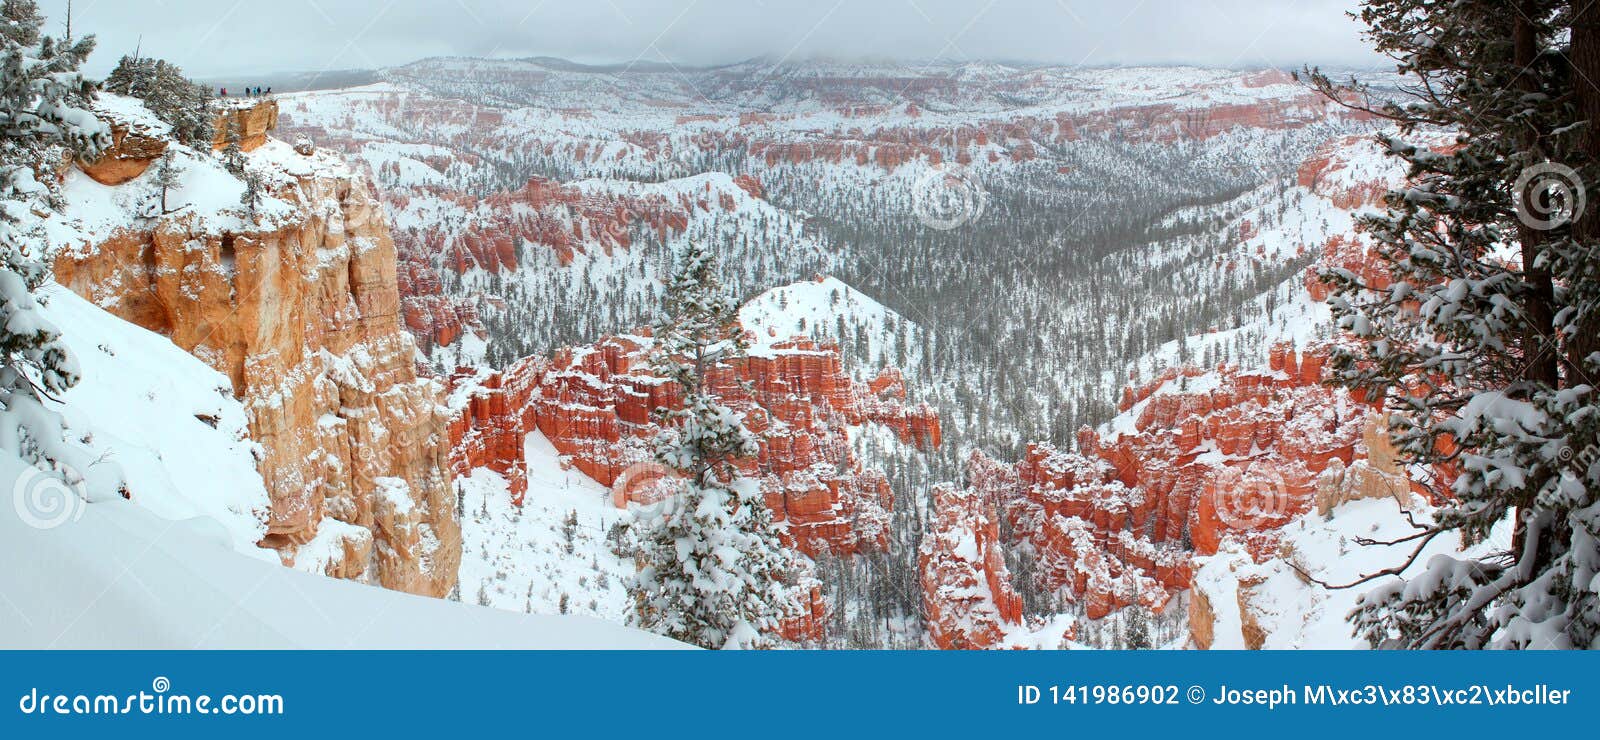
[(948, 273)]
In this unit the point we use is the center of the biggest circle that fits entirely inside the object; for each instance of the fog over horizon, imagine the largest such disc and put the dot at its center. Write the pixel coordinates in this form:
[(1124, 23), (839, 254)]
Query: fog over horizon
[(220, 39)]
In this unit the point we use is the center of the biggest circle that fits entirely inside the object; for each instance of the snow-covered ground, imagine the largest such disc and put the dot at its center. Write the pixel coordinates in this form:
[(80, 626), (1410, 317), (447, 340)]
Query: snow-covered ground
[(166, 419), (115, 575), (91, 211), (175, 565), (530, 559), (1295, 614), (828, 307)]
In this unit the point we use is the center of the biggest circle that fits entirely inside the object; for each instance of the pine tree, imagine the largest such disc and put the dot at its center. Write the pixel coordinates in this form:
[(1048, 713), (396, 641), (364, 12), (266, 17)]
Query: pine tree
[(1136, 635), (131, 77), (44, 102), (1483, 345), (569, 530), (713, 571), (252, 195), (173, 98), (166, 176), (232, 155), (185, 104)]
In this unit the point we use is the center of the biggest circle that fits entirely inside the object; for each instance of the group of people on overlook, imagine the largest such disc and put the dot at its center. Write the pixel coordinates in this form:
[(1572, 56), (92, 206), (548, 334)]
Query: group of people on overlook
[(249, 92)]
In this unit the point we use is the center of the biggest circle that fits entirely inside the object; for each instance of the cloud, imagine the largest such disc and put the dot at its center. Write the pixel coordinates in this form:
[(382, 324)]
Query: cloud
[(222, 37)]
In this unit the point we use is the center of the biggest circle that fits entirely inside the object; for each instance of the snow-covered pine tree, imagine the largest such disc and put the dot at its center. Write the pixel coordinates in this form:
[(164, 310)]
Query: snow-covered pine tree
[(172, 97), (232, 155), (1479, 347), (713, 571), (252, 195), (165, 177), (183, 103), (44, 118), (130, 77), (1136, 629)]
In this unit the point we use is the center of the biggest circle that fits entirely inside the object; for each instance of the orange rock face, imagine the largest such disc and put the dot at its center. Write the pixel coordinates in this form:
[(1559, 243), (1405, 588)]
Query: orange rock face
[(303, 317), (252, 121), (133, 149), (596, 405), (967, 597)]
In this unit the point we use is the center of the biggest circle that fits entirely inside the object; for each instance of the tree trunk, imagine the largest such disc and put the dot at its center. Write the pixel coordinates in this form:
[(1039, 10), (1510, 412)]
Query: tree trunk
[(1543, 366), (1585, 58), (1538, 338)]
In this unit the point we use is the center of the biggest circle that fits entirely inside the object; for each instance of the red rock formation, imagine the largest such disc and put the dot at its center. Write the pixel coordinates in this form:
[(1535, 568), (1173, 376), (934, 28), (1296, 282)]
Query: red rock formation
[(1349, 254), (1210, 455), (1327, 173), (431, 316), (595, 404), (541, 215), (967, 597), (1269, 77), (811, 625), (1165, 122), (751, 185)]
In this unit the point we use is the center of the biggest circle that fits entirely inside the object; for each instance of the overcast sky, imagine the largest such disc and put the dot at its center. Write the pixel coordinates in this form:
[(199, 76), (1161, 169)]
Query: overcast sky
[(236, 37)]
